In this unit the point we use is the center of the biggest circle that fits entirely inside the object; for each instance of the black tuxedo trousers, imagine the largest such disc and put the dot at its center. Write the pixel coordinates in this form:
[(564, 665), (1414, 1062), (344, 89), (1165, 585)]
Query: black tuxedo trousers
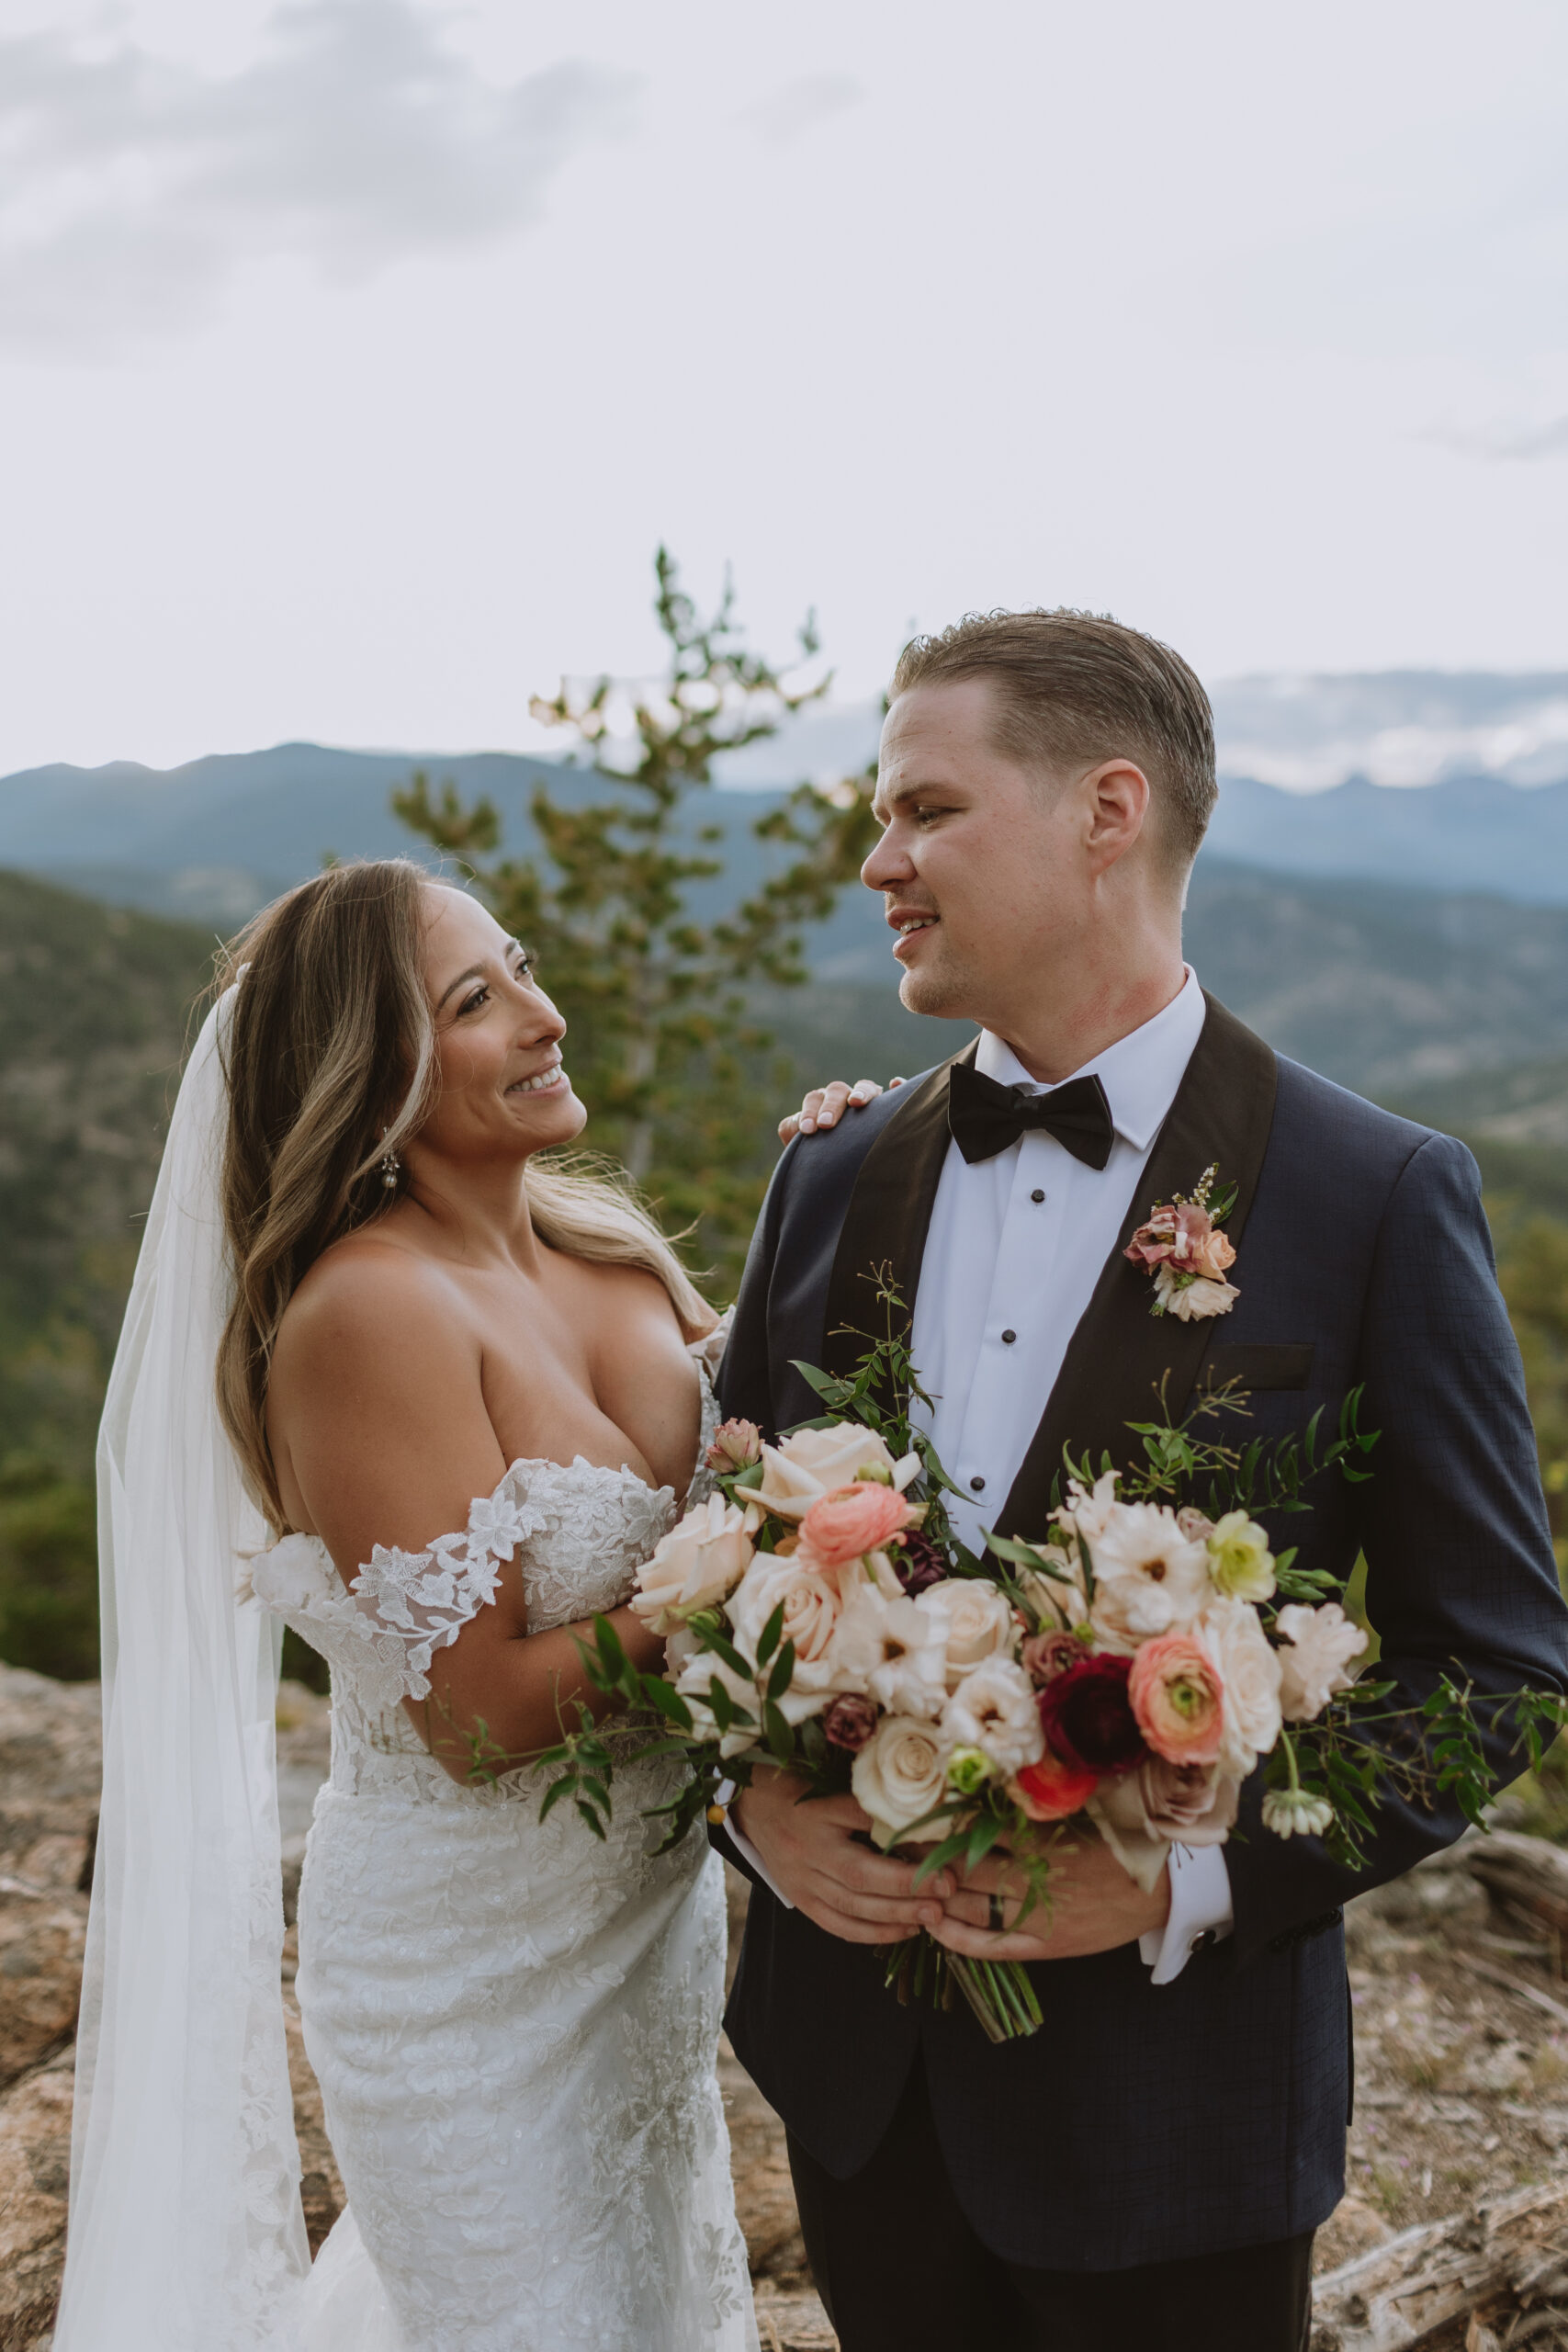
[(1147, 2125)]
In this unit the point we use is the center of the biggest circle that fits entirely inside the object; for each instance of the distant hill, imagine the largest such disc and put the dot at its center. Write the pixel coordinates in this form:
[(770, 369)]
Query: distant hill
[(1525, 1103), (214, 839)]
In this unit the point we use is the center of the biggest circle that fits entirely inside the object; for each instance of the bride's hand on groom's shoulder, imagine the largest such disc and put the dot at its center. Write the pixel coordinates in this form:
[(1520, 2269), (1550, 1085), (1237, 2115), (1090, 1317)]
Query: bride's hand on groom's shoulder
[(824, 1105), (1093, 1905), (815, 1853)]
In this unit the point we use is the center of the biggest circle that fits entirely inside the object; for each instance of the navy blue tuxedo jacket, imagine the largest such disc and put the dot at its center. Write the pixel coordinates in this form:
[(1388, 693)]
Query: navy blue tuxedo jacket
[(1147, 2123)]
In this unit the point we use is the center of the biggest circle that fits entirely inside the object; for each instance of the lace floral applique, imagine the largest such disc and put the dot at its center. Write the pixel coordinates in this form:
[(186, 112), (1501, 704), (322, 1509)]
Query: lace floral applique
[(429, 1597)]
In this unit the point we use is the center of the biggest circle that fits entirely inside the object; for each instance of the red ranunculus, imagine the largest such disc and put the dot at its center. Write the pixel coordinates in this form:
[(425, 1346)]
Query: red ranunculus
[(1052, 1791), (1087, 1717)]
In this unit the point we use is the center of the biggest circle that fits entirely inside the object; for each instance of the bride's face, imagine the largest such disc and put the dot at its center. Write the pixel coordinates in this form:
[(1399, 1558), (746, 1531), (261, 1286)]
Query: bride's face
[(503, 1092)]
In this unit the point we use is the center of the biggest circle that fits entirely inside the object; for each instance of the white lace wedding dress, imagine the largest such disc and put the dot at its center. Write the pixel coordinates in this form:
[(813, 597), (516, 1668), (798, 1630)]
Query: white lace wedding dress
[(514, 2026)]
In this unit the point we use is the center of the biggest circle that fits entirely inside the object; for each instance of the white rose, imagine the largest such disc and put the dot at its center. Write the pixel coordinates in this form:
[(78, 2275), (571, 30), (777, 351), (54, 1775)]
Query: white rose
[(1148, 1576), (994, 1710), (1322, 1644), (812, 1608), (696, 1563), (1249, 1670), (801, 1469), (973, 1619), (1194, 1302), (901, 1775), (893, 1651)]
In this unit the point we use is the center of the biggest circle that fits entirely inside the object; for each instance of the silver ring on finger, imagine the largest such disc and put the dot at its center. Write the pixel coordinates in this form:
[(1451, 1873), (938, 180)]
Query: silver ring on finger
[(995, 1918)]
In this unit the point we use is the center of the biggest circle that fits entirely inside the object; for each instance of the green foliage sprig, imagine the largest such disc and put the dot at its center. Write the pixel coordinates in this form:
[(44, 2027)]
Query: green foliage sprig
[(662, 1048)]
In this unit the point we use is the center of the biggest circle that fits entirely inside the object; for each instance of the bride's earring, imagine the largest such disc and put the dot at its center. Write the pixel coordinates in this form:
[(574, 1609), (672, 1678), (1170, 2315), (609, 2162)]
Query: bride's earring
[(391, 1166)]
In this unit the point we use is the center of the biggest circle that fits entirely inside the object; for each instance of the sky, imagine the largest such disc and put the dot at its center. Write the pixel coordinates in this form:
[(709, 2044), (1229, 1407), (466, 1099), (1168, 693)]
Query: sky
[(354, 355)]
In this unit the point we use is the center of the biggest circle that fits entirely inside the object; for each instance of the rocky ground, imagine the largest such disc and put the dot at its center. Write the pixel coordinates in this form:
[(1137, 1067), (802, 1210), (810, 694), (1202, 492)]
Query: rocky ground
[(1453, 2232)]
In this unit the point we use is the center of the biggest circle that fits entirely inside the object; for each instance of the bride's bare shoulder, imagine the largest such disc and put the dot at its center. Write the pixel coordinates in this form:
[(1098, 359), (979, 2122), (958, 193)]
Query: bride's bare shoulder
[(371, 1300)]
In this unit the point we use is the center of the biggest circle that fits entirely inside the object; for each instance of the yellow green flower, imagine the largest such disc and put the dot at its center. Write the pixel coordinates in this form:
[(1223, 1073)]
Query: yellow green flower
[(1240, 1562)]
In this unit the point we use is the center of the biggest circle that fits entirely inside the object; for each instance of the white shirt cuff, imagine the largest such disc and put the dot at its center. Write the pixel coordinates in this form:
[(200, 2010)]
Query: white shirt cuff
[(724, 1795), (1201, 1911)]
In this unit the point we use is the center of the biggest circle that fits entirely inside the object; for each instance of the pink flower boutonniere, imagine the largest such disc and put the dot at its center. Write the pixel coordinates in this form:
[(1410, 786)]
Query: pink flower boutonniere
[(1183, 1248)]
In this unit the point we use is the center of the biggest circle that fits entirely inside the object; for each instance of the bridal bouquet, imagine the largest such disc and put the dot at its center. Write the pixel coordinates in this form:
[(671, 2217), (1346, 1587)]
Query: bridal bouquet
[(1129, 1673)]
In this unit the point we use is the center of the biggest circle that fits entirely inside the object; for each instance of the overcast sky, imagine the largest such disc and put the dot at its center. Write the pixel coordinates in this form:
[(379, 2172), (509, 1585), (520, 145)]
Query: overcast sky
[(353, 354)]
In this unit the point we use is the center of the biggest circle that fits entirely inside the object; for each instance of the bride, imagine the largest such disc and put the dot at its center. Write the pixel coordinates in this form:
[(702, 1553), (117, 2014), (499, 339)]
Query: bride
[(473, 1391)]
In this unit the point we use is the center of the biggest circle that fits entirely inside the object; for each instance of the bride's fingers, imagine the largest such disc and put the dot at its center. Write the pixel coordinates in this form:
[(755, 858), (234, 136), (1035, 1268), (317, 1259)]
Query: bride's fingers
[(821, 1108), (838, 1098), (804, 1120)]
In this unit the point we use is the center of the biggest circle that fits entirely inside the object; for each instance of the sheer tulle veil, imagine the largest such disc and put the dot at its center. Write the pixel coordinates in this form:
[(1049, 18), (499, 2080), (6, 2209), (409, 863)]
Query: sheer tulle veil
[(185, 2230)]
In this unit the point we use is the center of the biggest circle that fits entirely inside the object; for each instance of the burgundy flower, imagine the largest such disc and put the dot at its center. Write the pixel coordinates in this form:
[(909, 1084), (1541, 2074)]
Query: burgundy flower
[(850, 1722), (918, 1564), (1045, 1656), (1087, 1717)]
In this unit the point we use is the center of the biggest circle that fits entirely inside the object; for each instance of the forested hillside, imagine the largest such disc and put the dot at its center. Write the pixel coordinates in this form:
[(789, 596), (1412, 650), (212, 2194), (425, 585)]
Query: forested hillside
[(97, 1006)]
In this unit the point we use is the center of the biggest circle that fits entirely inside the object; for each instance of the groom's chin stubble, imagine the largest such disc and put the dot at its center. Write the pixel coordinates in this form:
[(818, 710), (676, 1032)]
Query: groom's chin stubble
[(937, 994)]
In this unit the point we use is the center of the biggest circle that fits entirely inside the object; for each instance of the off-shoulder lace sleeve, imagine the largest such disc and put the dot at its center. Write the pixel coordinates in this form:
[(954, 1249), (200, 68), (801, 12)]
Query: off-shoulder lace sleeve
[(709, 1350), (423, 1599)]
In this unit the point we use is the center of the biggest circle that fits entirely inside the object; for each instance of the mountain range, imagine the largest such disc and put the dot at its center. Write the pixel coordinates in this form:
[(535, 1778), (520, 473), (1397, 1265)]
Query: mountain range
[(1454, 782)]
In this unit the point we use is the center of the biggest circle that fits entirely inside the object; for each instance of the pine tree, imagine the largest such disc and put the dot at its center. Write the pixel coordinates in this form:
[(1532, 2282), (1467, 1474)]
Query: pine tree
[(663, 1046)]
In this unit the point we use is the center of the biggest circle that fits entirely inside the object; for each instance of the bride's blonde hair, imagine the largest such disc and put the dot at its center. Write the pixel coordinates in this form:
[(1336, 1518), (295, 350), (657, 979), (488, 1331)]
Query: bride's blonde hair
[(330, 1063)]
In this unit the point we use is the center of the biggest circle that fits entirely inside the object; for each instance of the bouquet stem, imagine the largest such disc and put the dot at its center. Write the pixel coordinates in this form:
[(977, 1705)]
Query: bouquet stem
[(998, 1991)]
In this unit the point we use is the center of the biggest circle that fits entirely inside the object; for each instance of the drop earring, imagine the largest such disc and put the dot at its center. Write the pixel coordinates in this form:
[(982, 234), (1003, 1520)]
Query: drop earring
[(390, 1168)]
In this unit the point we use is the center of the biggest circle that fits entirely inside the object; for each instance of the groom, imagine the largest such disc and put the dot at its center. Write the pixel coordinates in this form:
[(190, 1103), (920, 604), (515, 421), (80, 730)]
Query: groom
[(1146, 2173)]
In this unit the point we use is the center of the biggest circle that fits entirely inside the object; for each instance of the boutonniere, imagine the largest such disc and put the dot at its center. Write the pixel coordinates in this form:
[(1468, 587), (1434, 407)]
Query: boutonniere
[(1183, 1246)]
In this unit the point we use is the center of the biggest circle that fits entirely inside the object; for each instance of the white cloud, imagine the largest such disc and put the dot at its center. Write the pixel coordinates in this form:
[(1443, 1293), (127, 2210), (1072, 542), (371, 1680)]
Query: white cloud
[(801, 105), (132, 188), (1518, 442)]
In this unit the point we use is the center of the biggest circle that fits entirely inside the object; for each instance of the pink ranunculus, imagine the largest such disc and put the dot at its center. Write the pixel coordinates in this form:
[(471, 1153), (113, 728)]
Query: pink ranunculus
[(1179, 1699), (849, 1522)]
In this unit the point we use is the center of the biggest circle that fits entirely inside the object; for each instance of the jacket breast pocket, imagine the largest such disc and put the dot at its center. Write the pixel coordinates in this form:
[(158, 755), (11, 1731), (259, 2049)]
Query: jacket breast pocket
[(1259, 1365)]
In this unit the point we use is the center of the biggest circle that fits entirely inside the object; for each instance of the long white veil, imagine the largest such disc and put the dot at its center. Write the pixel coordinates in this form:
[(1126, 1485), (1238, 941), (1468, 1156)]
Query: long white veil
[(185, 2231)]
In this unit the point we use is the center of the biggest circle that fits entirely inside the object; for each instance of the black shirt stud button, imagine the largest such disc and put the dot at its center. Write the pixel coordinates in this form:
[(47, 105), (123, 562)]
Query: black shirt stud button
[(1203, 1940), (1037, 1195), (1007, 1338), (978, 1485)]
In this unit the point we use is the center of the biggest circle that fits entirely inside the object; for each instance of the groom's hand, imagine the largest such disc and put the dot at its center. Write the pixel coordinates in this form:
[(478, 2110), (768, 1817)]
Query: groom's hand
[(815, 1856), (1092, 1905)]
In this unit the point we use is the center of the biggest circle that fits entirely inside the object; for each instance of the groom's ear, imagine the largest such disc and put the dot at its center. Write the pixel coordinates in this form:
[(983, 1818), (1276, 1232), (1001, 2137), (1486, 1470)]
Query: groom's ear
[(1115, 799)]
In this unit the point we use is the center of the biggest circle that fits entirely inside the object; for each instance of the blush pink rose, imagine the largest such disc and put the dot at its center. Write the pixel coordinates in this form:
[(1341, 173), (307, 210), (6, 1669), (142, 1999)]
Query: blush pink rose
[(1178, 1699), (851, 1522)]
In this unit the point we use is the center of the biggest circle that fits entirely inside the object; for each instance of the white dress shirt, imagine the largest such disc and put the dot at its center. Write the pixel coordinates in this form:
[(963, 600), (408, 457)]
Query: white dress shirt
[(1014, 1251)]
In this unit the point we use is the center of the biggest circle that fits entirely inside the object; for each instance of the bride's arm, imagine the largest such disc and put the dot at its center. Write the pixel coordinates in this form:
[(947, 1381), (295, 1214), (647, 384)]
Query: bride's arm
[(379, 1426)]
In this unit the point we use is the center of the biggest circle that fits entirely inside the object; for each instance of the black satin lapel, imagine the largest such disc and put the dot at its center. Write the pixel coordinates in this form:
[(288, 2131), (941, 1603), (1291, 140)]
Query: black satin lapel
[(888, 1218), (1119, 1354)]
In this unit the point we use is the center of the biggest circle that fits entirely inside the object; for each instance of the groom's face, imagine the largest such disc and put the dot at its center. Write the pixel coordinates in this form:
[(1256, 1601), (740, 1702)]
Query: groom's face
[(980, 862)]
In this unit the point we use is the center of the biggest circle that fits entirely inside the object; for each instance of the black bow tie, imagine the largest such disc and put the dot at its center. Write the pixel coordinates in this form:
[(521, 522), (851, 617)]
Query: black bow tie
[(983, 1118)]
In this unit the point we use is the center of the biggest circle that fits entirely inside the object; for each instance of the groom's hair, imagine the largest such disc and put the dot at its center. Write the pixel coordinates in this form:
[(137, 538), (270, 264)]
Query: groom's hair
[(1076, 688)]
